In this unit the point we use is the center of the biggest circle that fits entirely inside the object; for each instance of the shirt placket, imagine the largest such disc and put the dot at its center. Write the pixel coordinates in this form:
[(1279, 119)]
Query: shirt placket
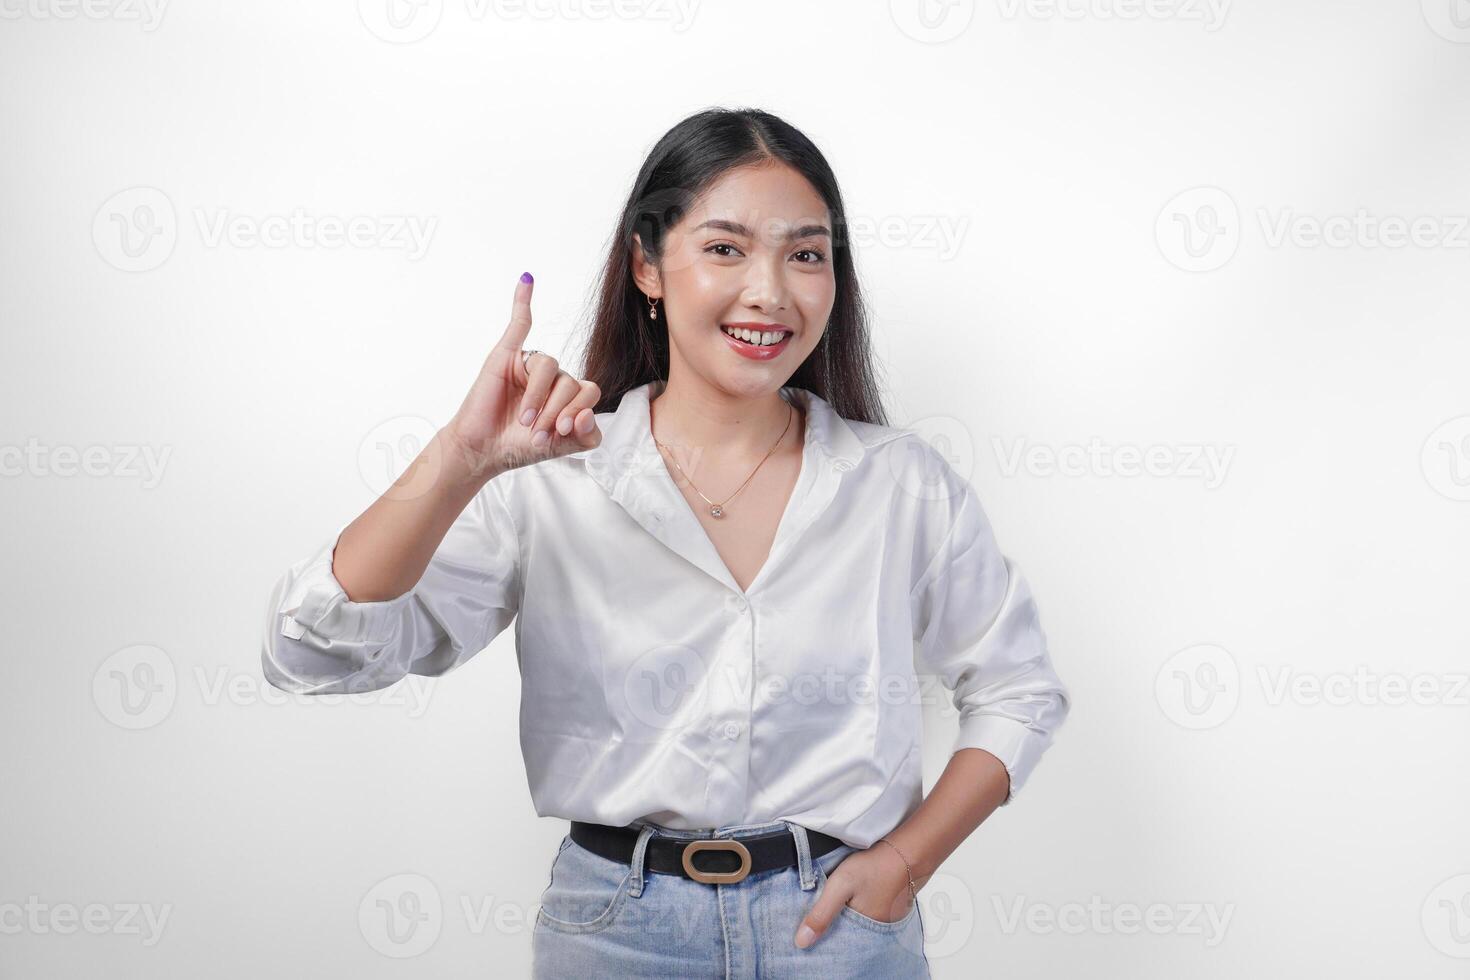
[(646, 490), (728, 725)]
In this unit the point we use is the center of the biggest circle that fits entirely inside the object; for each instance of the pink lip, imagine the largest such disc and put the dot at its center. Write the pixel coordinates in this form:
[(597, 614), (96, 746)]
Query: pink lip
[(754, 351)]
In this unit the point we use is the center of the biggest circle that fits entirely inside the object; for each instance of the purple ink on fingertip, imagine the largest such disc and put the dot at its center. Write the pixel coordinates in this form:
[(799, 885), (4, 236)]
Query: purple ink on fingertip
[(526, 277)]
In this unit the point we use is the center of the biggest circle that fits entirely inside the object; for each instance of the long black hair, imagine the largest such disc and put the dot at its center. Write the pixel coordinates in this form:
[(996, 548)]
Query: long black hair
[(627, 348)]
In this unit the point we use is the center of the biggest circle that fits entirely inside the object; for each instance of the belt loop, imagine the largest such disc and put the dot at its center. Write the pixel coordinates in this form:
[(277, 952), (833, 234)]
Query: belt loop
[(803, 856), (635, 886)]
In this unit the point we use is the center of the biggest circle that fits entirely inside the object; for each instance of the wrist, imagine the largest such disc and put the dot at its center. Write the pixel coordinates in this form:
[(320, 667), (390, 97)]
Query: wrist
[(920, 865), (902, 870), (462, 467)]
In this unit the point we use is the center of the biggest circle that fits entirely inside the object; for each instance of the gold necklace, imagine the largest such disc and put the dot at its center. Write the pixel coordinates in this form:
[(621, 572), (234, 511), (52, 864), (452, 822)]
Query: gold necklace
[(718, 509)]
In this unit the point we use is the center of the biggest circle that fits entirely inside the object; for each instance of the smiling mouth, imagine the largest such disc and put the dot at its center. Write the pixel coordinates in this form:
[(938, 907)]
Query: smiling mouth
[(759, 338)]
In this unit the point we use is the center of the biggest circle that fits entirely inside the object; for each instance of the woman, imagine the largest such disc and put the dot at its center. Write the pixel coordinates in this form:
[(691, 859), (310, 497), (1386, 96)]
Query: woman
[(728, 575)]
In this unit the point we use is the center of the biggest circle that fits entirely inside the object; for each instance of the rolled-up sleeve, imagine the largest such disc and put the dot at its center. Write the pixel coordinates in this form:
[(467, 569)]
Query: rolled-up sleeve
[(978, 631), (317, 641)]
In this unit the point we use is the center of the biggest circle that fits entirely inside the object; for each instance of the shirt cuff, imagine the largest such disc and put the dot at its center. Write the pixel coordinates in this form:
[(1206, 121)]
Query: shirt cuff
[(321, 642), (1018, 747), (325, 610)]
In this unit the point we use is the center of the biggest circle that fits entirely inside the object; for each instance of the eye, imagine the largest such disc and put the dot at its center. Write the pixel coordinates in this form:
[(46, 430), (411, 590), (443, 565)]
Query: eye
[(716, 245), (819, 258)]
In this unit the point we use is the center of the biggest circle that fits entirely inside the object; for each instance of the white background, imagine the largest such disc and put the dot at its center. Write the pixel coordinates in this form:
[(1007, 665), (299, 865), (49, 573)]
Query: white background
[(147, 765)]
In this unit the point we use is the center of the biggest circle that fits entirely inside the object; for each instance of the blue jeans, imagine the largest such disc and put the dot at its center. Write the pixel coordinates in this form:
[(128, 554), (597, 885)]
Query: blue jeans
[(602, 918)]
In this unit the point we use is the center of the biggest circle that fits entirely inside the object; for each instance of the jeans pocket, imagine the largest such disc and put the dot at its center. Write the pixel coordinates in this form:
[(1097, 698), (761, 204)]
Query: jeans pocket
[(877, 925), (586, 891)]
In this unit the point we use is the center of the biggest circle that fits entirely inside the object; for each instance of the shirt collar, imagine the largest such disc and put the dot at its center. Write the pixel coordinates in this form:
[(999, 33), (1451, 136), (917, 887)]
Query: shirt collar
[(628, 448), (629, 467)]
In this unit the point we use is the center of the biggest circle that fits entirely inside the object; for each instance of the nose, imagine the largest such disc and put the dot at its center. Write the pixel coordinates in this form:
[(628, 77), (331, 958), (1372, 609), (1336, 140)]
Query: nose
[(765, 287)]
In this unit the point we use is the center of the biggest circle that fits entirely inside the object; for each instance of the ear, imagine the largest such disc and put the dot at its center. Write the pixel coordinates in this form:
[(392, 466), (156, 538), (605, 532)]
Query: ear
[(645, 273)]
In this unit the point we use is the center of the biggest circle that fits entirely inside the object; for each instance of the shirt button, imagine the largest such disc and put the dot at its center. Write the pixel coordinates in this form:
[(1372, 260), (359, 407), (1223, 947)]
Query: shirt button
[(742, 605), (732, 730), (843, 465)]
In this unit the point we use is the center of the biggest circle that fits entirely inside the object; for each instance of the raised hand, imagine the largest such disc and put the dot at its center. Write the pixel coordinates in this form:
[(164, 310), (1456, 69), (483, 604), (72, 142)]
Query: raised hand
[(513, 417)]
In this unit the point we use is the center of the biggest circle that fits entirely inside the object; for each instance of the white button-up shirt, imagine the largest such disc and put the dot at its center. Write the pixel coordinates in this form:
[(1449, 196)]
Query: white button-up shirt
[(655, 688)]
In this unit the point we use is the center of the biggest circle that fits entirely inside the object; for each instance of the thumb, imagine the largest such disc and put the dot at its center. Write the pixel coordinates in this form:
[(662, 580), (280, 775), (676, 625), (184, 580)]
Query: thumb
[(829, 903)]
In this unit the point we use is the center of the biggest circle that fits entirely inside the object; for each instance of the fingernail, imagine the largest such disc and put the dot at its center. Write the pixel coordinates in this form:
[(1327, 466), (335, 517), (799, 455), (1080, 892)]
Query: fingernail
[(526, 277), (804, 937), (528, 416), (563, 425), (541, 438)]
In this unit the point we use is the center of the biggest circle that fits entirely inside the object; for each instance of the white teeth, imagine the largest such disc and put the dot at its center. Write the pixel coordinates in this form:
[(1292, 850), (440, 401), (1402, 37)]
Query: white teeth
[(763, 339)]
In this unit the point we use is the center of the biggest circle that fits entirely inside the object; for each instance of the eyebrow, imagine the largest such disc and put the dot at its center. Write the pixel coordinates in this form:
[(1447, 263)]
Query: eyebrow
[(736, 228)]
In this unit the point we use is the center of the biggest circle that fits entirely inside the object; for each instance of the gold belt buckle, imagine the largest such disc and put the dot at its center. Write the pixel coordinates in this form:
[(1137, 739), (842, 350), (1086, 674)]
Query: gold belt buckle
[(717, 877)]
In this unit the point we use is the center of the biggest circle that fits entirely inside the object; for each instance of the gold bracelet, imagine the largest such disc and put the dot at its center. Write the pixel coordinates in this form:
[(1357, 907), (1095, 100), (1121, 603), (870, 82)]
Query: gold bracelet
[(913, 892)]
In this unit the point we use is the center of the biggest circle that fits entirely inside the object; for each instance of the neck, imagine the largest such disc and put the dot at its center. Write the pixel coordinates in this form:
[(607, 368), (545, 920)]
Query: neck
[(699, 418)]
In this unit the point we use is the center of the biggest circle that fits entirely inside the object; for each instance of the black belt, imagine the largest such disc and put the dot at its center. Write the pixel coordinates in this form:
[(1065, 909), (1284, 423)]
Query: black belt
[(723, 860)]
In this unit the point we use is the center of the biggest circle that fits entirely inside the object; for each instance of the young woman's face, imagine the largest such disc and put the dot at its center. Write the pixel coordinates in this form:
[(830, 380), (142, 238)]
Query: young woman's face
[(755, 252)]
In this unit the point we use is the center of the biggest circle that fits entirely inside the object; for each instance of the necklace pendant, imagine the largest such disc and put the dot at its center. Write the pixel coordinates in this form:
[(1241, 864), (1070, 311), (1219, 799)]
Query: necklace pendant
[(717, 511)]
